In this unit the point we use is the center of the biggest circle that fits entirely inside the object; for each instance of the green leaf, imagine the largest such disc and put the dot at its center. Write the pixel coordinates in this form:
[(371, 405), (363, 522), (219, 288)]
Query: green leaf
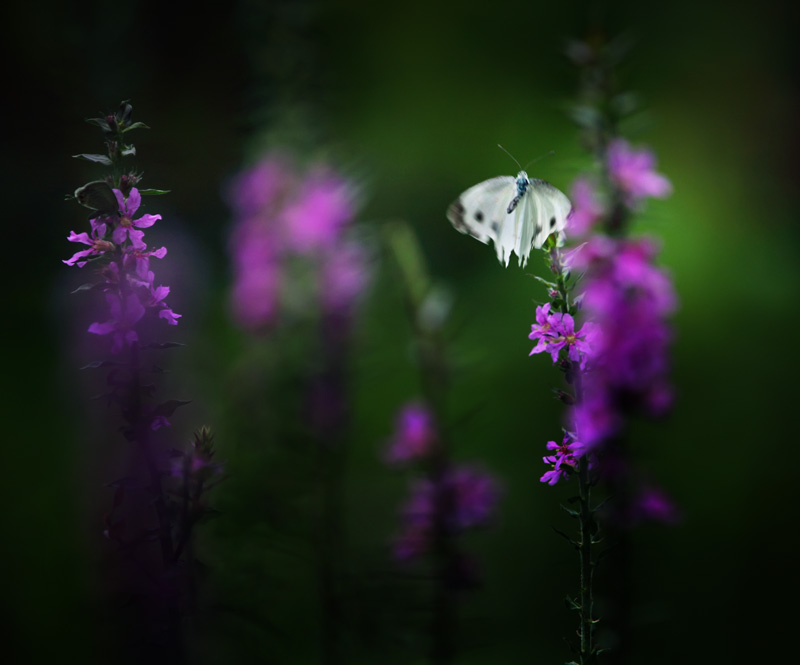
[(128, 151), (85, 287), (99, 122), (135, 125), (98, 159), (545, 282), (154, 192), (569, 511)]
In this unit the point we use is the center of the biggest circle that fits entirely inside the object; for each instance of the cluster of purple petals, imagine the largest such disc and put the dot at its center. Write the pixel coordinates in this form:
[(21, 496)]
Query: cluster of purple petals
[(563, 460), (554, 331), (116, 243), (470, 499), (631, 172), (629, 299), (282, 216), (414, 435)]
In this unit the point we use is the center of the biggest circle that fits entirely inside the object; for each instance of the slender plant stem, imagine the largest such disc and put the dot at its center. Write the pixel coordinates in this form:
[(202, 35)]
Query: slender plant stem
[(586, 602)]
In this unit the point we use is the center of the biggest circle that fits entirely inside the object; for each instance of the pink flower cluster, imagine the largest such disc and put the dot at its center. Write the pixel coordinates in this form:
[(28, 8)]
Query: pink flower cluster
[(629, 299), (554, 331), (631, 172), (466, 496), (116, 243), (283, 217), (414, 435), (469, 495), (564, 459)]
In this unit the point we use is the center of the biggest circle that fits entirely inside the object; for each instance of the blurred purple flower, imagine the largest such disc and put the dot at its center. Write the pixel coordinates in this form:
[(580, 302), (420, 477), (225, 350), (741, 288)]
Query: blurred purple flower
[(469, 495), (282, 220), (587, 209), (344, 275), (633, 172), (314, 221), (125, 313), (262, 188), (652, 504), (414, 436)]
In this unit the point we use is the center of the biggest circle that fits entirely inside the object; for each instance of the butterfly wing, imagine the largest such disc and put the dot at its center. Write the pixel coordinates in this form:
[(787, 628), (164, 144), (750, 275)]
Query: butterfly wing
[(543, 210), (481, 213)]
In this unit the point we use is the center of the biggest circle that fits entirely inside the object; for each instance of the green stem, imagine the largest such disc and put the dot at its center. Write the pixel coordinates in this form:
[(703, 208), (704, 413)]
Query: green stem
[(586, 604)]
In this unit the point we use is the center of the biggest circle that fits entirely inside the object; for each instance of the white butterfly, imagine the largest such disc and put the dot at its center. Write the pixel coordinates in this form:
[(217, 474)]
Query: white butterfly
[(517, 214)]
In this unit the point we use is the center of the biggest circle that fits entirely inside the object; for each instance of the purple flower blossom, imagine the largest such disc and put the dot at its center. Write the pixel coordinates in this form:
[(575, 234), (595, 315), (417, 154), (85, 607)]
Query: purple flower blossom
[(564, 460), (628, 298), (470, 497), (633, 172), (414, 435), (578, 344), (317, 217), (125, 313), (127, 227), (98, 245), (261, 189), (542, 329), (257, 274), (652, 504), (557, 331), (587, 209), (288, 224), (344, 275)]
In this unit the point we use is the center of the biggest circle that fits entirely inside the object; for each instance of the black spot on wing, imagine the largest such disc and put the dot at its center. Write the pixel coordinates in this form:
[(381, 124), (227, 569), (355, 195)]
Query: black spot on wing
[(455, 213), (478, 216), (552, 222), (537, 230), (495, 227)]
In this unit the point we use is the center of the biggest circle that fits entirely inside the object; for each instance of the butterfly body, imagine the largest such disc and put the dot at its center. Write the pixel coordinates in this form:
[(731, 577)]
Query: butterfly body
[(515, 213)]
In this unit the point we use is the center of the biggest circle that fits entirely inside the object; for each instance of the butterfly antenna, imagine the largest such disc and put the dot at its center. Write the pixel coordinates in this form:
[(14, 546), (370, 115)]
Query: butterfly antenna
[(536, 159), (510, 155)]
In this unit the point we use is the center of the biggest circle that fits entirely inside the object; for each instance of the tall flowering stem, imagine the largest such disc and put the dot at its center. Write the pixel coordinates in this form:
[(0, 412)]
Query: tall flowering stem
[(554, 332), (299, 274), (177, 481), (622, 368), (450, 498)]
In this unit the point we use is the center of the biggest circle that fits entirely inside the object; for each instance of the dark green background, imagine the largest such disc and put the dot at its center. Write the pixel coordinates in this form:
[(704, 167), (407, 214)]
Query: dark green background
[(414, 97)]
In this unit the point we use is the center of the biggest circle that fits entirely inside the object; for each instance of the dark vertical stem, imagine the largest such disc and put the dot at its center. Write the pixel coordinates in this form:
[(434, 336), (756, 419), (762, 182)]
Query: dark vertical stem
[(619, 574), (173, 643), (434, 382), (586, 602), (331, 450)]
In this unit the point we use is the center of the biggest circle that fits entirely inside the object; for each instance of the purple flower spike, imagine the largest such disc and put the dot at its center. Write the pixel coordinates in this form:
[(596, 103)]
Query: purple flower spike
[(633, 171)]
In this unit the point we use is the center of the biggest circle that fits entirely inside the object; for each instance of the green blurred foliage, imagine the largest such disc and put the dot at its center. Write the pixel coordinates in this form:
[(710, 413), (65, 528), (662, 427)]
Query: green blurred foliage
[(412, 99)]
